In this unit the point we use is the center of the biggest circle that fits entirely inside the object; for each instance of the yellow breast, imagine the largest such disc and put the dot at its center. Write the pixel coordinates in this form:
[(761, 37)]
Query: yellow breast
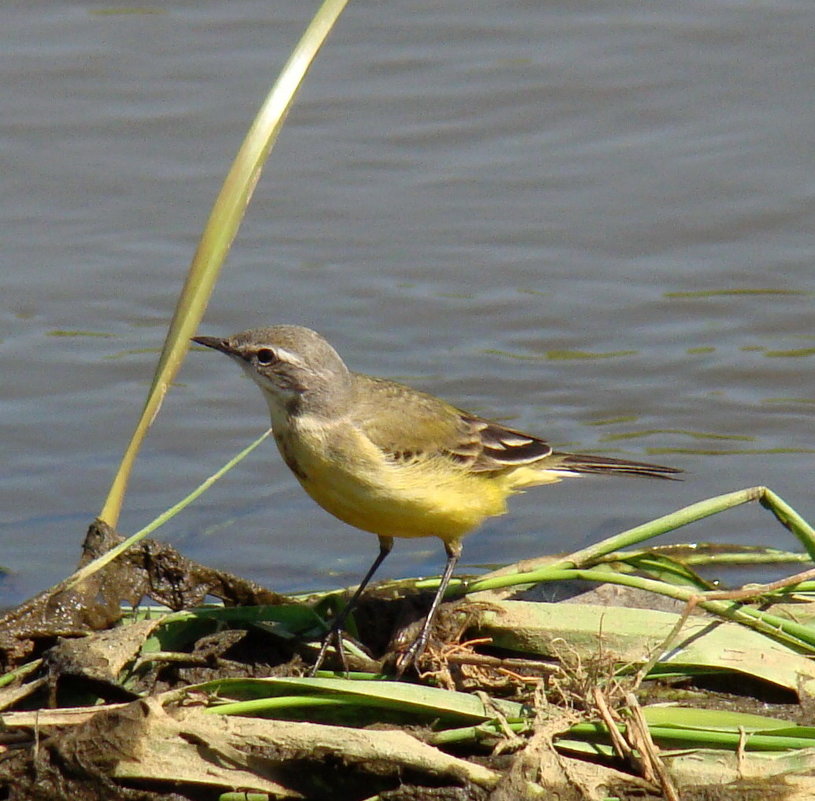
[(353, 480)]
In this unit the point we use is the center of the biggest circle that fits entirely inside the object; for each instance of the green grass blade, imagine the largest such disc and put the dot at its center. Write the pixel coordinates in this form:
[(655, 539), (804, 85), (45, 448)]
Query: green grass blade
[(661, 525), (109, 556), (221, 228), (684, 717), (416, 699), (699, 738)]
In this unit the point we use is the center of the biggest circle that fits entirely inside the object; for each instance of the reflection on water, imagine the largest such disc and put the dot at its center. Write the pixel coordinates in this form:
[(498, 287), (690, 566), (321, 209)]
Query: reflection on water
[(560, 355), (652, 431), (787, 354), (710, 293)]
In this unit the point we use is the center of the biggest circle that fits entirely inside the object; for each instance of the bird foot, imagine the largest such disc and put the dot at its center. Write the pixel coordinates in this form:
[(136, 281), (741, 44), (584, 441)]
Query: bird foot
[(411, 657), (334, 636)]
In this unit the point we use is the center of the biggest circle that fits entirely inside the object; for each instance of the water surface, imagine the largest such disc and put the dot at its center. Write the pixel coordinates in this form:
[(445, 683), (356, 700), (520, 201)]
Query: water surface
[(591, 219)]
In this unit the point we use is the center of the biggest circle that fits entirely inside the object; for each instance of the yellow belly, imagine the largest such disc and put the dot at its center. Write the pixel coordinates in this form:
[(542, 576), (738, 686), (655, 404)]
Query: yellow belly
[(355, 482)]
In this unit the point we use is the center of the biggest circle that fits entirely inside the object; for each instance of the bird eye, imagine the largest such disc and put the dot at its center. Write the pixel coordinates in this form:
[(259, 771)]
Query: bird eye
[(266, 356)]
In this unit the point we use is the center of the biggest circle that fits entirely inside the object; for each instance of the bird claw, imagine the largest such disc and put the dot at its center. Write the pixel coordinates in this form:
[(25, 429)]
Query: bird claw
[(334, 635), (411, 657)]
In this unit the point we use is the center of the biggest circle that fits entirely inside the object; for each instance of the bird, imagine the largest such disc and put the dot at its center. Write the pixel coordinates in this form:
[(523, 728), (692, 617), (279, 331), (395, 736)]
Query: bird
[(393, 460)]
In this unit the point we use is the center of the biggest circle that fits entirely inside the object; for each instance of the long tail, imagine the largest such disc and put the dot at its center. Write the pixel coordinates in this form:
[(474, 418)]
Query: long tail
[(580, 464)]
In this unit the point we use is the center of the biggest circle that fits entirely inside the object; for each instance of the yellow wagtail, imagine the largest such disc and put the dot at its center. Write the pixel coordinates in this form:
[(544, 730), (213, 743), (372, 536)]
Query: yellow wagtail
[(389, 459)]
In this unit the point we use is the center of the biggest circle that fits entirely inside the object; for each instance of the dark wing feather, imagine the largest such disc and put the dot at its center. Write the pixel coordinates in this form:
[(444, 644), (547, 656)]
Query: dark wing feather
[(500, 447), (407, 424), (604, 465)]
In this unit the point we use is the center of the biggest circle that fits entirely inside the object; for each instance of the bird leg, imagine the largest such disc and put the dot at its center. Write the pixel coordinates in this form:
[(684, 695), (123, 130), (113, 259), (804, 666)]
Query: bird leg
[(335, 632), (418, 646)]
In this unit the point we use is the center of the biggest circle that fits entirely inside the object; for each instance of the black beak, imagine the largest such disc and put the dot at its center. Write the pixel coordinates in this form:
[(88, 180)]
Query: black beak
[(216, 343)]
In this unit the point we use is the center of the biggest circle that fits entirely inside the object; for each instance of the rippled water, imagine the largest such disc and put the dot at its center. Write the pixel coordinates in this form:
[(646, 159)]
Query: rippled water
[(594, 220)]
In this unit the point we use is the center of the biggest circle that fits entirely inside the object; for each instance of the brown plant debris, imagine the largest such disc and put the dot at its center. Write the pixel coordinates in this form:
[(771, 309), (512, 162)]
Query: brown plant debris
[(150, 569)]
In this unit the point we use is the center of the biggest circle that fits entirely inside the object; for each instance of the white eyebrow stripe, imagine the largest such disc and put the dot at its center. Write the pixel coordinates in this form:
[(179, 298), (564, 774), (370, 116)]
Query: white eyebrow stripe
[(288, 356)]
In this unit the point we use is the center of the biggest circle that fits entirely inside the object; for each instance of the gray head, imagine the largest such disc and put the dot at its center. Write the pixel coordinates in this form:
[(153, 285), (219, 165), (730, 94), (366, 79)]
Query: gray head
[(298, 371)]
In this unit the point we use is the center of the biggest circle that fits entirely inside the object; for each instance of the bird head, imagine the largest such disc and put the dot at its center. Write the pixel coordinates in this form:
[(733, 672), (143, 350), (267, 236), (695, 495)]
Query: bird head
[(297, 369)]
